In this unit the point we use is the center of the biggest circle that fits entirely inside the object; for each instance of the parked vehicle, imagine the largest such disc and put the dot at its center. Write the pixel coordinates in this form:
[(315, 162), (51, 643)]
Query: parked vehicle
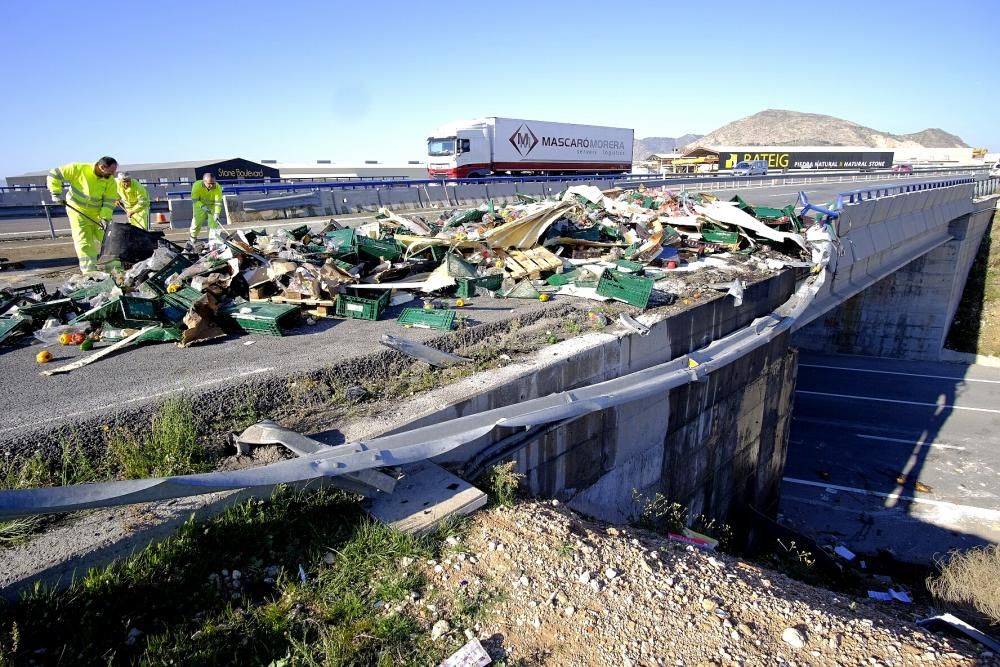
[(751, 168), (488, 146), (901, 168)]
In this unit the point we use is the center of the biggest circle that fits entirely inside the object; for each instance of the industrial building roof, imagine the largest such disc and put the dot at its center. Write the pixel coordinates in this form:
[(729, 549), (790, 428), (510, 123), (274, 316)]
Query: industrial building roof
[(150, 166)]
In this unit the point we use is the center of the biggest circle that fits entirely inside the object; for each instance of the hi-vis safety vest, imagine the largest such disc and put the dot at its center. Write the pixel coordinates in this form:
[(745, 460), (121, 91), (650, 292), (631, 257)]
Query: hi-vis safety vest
[(134, 196), (93, 195), (204, 198)]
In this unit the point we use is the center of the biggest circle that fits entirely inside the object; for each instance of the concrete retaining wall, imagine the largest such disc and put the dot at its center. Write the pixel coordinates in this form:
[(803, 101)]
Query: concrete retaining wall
[(597, 461)]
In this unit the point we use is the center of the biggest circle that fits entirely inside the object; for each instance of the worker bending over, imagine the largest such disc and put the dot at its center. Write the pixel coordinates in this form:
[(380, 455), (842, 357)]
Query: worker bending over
[(89, 204), (133, 197), (206, 200)]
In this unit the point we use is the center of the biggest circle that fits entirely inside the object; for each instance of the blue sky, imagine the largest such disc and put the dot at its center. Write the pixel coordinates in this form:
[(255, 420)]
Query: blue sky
[(300, 81)]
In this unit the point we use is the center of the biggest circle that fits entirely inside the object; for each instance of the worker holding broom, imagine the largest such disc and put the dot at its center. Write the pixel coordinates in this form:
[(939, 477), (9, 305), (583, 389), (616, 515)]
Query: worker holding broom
[(206, 201), (89, 204), (133, 197)]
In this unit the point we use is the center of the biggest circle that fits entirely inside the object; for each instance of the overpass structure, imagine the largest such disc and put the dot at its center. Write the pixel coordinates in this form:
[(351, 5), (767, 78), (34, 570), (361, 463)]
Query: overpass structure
[(698, 408)]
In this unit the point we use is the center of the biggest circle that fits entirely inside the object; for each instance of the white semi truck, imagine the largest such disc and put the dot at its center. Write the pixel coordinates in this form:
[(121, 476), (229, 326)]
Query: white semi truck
[(499, 146)]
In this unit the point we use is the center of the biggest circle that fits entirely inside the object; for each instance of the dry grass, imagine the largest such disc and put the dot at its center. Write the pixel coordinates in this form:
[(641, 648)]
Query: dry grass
[(968, 580)]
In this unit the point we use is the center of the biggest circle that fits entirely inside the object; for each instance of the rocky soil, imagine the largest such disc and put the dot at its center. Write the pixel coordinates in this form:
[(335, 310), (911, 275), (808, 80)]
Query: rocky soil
[(555, 589)]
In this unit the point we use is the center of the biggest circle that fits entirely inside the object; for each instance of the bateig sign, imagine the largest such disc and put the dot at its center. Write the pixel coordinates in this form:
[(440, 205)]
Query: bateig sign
[(810, 159)]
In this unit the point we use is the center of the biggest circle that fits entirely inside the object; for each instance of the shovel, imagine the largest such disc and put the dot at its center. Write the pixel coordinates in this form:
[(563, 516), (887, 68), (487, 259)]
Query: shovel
[(364, 482), (70, 206)]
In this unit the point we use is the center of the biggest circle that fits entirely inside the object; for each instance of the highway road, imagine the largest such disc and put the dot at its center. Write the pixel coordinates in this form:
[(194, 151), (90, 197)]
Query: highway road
[(25, 238), (897, 455)]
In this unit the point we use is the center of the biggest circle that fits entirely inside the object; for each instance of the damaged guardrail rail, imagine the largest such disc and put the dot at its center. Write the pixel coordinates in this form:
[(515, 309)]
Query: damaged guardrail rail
[(430, 441)]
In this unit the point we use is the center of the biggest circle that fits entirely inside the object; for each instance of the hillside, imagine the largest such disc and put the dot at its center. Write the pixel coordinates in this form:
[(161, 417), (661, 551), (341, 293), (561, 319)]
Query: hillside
[(776, 127), (642, 148)]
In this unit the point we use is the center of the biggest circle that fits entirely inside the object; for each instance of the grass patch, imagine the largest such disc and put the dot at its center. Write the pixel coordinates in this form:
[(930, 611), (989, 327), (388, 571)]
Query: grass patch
[(502, 481), (170, 448), (229, 591), (968, 582), (974, 328), (663, 516)]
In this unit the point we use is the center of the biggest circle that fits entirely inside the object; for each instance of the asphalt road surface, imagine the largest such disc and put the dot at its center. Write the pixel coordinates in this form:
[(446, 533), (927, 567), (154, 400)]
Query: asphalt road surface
[(897, 455)]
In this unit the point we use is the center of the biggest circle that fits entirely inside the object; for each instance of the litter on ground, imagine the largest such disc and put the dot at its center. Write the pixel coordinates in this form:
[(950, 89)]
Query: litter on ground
[(642, 247)]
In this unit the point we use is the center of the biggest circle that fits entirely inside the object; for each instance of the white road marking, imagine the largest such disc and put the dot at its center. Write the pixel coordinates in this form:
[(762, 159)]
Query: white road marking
[(892, 400), (255, 371), (917, 443), (915, 375), (978, 512), (136, 399)]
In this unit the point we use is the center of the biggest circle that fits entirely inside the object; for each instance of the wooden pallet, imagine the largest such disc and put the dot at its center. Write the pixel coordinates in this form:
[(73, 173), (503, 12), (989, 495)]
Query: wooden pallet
[(531, 263), (303, 302)]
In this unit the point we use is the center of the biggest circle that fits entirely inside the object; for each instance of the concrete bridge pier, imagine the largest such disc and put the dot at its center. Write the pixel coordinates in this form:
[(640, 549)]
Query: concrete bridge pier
[(908, 313)]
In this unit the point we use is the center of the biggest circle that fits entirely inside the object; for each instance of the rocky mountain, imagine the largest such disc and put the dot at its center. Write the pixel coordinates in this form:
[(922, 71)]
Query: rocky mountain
[(642, 148), (777, 127)]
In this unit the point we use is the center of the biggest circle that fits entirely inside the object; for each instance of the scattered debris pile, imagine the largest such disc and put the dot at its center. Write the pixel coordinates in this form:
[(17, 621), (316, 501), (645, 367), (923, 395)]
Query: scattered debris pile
[(641, 247)]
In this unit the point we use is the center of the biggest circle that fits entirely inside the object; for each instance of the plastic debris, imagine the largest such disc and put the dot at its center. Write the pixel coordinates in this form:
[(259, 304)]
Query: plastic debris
[(890, 596), (423, 352), (961, 626), (471, 655)]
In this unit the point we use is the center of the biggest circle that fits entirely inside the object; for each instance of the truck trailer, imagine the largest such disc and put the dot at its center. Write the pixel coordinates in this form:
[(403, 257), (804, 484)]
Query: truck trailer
[(500, 146)]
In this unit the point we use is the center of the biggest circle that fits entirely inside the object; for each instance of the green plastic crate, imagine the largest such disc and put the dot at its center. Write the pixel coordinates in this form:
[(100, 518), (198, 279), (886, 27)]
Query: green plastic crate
[(633, 290), (33, 291), (299, 233), (125, 312), (634, 268), (158, 281), (467, 286), (375, 249), (183, 298), (353, 304), (565, 278), (91, 291), (720, 236), (263, 318), (427, 319), (11, 326), (344, 238), (43, 311)]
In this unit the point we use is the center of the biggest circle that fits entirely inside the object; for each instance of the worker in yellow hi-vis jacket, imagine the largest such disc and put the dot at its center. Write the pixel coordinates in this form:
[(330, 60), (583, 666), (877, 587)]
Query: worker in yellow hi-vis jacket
[(89, 204), (133, 197), (206, 200)]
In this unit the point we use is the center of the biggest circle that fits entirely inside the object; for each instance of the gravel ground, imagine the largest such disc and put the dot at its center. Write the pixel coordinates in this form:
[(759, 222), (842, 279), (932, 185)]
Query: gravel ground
[(561, 590)]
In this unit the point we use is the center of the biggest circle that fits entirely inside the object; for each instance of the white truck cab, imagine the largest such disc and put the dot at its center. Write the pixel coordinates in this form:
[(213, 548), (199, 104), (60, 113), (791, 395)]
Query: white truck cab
[(459, 150)]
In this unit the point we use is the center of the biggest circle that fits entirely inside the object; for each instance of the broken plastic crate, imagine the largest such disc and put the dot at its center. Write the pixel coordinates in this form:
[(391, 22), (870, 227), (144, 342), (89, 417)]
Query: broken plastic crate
[(183, 298), (157, 281), (93, 290), (11, 326), (633, 290), (467, 286), (720, 236), (129, 312), (377, 250), (263, 318), (427, 319), (42, 311), (354, 304)]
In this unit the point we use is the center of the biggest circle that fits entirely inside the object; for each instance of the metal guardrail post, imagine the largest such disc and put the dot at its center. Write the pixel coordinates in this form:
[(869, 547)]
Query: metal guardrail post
[(48, 216)]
